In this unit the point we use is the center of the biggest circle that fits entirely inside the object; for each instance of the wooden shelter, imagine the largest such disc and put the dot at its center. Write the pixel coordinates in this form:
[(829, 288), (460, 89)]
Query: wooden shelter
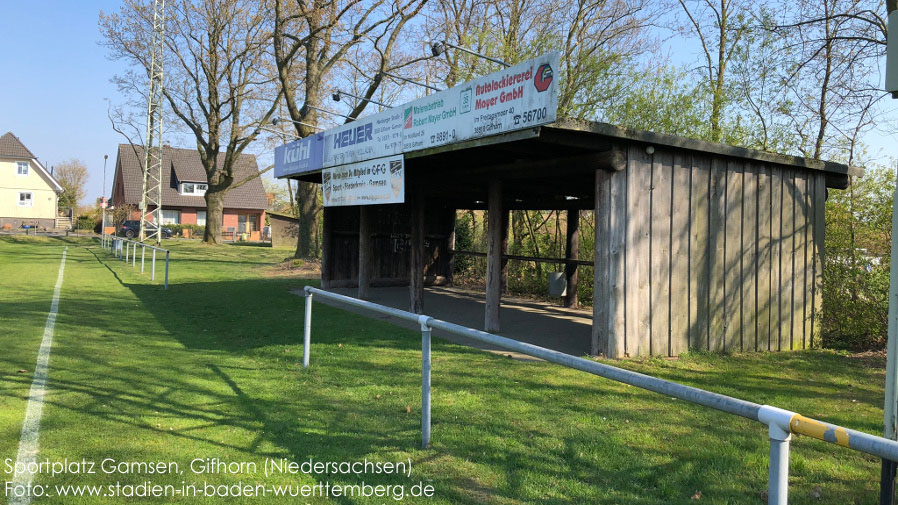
[(697, 245)]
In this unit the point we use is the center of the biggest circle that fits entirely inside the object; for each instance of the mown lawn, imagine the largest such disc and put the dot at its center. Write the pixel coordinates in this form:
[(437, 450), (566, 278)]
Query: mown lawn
[(209, 369)]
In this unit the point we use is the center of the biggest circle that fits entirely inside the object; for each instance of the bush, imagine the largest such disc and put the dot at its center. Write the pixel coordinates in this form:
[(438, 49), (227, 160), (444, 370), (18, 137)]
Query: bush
[(196, 231), (856, 269), (85, 223)]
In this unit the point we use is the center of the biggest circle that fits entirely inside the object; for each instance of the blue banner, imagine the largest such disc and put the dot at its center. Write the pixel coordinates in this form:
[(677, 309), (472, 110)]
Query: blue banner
[(300, 156)]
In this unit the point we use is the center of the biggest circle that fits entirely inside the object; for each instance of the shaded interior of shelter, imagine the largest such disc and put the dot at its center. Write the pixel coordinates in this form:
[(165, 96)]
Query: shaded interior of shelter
[(695, 242), (535, 322)]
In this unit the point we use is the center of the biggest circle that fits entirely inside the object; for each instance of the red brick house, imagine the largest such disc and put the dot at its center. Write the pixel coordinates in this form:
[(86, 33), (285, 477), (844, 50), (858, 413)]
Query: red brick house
[(184, 186)]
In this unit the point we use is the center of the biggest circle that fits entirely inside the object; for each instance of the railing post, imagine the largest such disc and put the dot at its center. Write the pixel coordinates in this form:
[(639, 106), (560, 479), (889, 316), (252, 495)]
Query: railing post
[(134, 256), (307, 331), (778, 490), (143, 254), (153, 268), (778, 422), (166, 270), (425, 380), (127, 250)]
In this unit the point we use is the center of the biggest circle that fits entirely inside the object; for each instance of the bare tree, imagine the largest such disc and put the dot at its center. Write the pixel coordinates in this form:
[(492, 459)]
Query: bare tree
[(312, 41), (219, 82), (834, 80), (596, 39), (72, 176), (719, 25)]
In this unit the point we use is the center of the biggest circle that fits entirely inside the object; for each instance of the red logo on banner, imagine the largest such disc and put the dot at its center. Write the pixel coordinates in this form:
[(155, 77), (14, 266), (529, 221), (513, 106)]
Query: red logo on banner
[(543, 77)]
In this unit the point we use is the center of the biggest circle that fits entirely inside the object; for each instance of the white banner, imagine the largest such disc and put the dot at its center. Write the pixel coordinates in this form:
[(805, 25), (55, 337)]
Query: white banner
[(364, 139), (521, 96), (518, 97), (376, 181)]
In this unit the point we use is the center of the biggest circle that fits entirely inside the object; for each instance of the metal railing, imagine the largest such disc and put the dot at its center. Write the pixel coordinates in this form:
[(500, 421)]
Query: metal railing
[(781, 423), (126, 250)]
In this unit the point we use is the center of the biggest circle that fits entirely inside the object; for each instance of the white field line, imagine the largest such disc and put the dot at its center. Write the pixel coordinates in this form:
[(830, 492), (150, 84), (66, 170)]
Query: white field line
[(28, 443)]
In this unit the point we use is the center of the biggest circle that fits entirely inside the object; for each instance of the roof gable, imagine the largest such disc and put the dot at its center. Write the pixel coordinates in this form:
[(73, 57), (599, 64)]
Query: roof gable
[(184, 165), (12, 147)]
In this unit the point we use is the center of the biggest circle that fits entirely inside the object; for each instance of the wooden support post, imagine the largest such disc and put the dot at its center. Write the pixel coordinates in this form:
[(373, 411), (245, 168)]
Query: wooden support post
[(365, 212), (327, 247), (572, 253), (506, 215), (416, 250), (450, 245), (494, 256)]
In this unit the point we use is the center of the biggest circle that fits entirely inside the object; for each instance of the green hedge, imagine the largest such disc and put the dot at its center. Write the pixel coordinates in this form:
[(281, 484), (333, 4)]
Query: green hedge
[(85, 223), (195, 229)]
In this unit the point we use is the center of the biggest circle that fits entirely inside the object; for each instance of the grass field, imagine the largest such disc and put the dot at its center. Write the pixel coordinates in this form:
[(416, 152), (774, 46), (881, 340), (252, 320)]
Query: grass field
[(209, 369)]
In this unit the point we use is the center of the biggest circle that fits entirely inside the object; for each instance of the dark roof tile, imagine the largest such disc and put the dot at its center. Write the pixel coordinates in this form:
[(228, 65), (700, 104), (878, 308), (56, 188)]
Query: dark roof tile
[(184, 165), (12, 147)]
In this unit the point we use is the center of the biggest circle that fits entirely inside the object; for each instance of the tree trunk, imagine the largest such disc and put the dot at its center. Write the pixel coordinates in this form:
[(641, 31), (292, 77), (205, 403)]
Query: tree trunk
[(214, 215), (307, 202)]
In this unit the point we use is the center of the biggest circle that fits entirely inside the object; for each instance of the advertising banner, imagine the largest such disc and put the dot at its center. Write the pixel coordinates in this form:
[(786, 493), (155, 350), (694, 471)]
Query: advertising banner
[(521, 96), (376, 181), (300, 156), (366, 138)]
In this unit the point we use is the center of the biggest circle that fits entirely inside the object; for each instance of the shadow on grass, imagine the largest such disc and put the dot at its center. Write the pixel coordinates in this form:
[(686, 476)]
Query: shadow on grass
[(251, 244), (503, 431)]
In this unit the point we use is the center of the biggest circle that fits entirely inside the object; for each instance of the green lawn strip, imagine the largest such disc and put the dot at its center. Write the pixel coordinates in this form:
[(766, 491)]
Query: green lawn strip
[(28, 270), (209, 369)]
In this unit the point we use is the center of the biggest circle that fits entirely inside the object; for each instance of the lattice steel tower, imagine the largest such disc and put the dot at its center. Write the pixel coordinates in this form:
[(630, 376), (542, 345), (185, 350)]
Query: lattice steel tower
[(151, 201)]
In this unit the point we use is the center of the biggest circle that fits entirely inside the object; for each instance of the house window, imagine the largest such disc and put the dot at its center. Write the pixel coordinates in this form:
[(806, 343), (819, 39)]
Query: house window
[(25, 199), (22, 168), (193, 188), (201, 218), (171, 216), (247, 223)]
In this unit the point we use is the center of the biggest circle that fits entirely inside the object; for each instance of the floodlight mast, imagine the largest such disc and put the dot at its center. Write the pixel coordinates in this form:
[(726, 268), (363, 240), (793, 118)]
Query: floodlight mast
[(152, 167), (282, 134), (326, 111), (338, 95), (277, 120), (406, 79), (439, 47)]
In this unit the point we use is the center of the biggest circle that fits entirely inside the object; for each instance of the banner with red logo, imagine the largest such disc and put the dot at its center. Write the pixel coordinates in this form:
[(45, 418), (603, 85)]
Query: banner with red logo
[(521, 96), (518, 97)]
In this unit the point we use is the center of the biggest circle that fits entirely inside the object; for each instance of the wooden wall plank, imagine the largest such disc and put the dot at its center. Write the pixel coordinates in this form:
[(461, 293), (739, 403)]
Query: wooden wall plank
[(799, 283), (776, 259), (716, 250), (680, 301), (799, 226), (617, 264), (764, 258), (601, 287), (733, 255), (788, 261), (808, 305), (659, 288), (639, 180), (749, 267), (819, 199), (699, 261)]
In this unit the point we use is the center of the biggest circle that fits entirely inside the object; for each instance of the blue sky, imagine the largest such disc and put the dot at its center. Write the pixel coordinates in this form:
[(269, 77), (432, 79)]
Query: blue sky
[(56, 77), (53, 94)]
